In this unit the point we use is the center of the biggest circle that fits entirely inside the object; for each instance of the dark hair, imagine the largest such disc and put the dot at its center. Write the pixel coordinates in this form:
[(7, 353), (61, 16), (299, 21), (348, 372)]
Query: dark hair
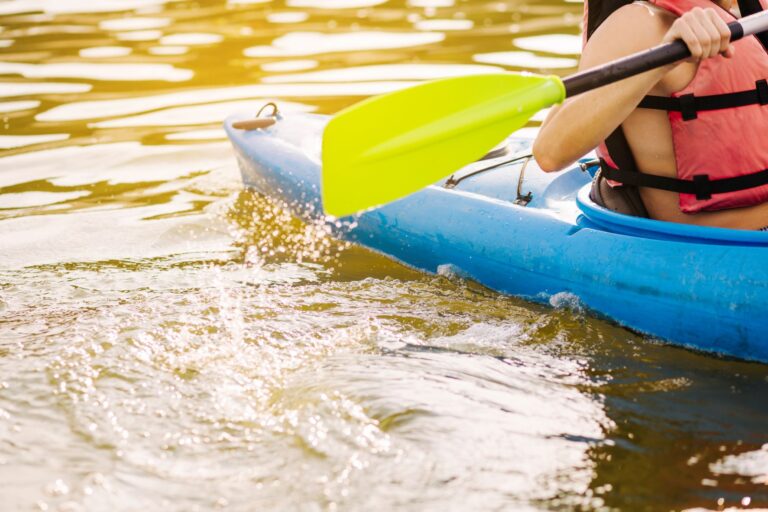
[(599, 10)]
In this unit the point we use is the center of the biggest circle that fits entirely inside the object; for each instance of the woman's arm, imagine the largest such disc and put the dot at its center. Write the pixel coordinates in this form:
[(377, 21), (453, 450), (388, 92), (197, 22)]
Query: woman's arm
[(581, 123)]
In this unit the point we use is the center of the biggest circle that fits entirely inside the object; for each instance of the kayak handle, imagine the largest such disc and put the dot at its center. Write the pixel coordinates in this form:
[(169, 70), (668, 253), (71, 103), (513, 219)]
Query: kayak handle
[(653, 58), (254, 124), (259, 122)]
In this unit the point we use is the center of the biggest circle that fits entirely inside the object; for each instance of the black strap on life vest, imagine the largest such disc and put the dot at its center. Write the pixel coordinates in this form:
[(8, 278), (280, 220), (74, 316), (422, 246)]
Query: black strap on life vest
[(700, 186), (690, 105), (620, 152)]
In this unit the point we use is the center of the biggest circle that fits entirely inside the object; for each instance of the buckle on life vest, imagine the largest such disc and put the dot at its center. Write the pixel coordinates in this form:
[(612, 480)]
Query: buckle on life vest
[(688, 107), (702, 186), (762, 91)]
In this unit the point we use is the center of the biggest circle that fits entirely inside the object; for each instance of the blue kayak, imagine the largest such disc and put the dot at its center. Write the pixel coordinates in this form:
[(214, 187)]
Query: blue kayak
[(513, 228)]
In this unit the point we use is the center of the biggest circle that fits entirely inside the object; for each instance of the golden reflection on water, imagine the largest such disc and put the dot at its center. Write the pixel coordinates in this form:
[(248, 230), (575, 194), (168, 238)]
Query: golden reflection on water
[(170, 341)]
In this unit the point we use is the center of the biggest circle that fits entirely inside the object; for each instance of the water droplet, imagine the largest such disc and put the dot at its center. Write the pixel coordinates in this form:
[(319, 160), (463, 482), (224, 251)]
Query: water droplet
[(57, 488)]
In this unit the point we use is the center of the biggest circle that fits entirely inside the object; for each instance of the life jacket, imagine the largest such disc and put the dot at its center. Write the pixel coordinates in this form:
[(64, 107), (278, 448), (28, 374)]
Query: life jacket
[(719, 124)]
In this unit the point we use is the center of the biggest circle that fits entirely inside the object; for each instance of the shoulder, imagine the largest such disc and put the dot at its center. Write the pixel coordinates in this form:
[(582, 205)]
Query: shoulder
[(632, 28)]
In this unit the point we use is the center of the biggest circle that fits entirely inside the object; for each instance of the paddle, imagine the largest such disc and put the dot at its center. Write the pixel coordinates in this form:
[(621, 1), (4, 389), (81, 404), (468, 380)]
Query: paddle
[(389, 146)]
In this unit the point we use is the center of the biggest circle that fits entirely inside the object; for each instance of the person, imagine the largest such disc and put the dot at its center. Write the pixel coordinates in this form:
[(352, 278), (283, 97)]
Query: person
[(695, 132)]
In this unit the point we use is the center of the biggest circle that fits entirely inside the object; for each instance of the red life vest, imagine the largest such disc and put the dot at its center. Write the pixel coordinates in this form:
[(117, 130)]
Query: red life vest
[(719, 127)]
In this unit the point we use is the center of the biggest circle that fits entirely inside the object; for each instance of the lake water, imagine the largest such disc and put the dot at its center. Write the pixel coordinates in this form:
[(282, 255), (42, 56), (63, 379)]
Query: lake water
[(169, 341)]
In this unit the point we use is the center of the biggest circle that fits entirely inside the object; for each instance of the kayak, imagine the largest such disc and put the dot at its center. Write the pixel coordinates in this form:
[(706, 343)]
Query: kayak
[(513, 228)]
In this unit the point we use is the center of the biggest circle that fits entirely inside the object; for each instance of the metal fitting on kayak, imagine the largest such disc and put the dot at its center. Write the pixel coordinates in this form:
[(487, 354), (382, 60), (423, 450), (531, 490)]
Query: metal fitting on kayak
[(452, 180), (259, 122), (588, 165), (523, 200)]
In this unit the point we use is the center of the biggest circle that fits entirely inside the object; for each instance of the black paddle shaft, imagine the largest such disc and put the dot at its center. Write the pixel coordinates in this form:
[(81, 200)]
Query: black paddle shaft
[(653, 58)]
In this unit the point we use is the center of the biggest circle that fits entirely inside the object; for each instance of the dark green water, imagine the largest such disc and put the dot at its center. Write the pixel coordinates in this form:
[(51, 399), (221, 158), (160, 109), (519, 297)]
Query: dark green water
[(169, 341)]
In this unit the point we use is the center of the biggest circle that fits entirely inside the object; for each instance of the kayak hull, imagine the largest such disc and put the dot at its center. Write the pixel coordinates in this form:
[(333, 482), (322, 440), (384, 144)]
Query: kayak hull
[(703, 288)]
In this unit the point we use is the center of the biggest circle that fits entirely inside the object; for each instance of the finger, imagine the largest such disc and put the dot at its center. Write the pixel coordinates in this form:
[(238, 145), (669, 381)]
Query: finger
[(715, 41), (708, 36), (673, 33), (700, 33), (689, 38), (722, 29)]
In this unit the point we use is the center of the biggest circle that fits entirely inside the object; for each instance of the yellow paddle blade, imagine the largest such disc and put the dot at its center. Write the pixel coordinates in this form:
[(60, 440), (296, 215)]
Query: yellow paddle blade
[(389, 146)]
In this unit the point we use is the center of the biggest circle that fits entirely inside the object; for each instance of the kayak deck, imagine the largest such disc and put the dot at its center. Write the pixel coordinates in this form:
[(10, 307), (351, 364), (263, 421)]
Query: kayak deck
[(536, 235)]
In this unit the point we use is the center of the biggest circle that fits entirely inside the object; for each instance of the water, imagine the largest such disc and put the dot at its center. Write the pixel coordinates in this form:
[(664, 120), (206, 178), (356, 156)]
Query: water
[(170, 341)]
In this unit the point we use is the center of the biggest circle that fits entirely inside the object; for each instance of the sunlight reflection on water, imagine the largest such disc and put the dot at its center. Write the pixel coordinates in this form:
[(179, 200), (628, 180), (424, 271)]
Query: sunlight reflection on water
[(88, 71), (299, 44)]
